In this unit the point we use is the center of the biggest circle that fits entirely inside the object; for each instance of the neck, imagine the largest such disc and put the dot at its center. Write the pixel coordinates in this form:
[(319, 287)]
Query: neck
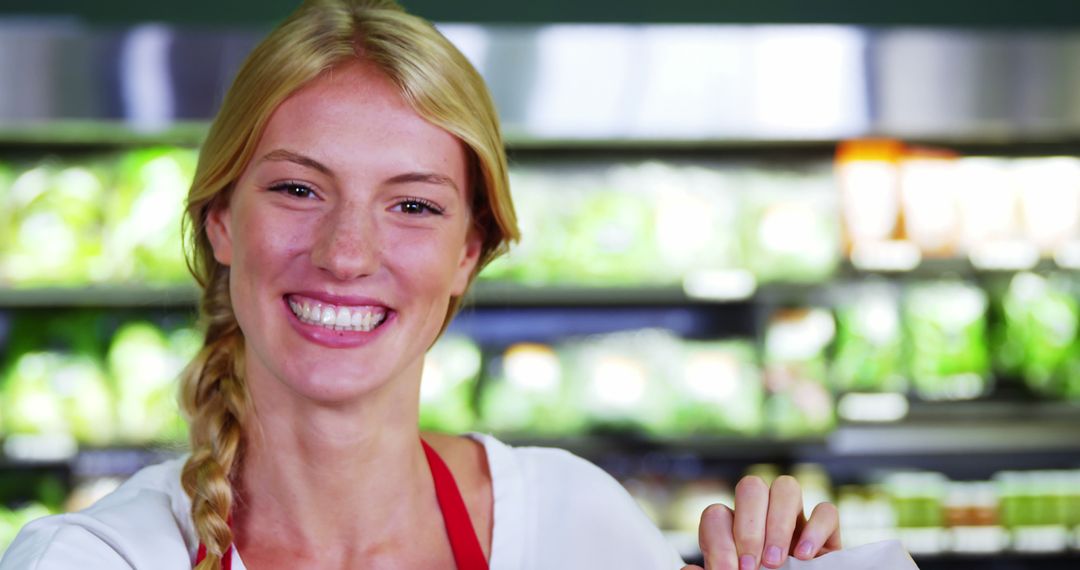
[(327, 476)]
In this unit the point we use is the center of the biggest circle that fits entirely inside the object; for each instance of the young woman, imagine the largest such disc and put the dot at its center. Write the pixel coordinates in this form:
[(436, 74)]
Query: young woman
[(351, 187)]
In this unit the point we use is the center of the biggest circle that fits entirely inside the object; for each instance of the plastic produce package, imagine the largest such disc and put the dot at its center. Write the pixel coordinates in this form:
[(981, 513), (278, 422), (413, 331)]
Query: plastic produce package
[(885, 555), (720, 389), (143, 218), (145, 364), (869, 341), (451, 369), (56, 223), (527, 394), (796, 341), (946, 322)]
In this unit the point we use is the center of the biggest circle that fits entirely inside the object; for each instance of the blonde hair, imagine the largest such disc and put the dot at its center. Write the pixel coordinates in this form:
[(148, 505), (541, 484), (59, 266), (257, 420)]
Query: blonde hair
[(440, 85)]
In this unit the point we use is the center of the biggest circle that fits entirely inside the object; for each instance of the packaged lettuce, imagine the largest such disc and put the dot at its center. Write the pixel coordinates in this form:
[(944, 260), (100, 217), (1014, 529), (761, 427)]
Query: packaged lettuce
[(694, 209), (947, 340), (451, 370), (536, 258), (624, 381), (56, 224), (6, 177), (144, 215), (145, 365), (1038, 334), (868, 355), (610, 238), (799, 403), (719, 389), (49, 393), (527, 394), (791, 229)]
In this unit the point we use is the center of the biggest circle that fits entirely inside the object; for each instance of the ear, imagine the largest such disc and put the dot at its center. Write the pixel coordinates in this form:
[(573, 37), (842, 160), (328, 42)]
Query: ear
[(470, 256), (219, 231)]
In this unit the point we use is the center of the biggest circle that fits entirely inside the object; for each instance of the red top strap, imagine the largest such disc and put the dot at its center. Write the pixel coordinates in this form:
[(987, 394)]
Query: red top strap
[(467, 552), (463, 540)]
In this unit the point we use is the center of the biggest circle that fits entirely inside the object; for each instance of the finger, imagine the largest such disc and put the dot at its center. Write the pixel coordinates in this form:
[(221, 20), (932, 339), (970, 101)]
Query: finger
[(716, 538), (751, 509), (785, 510), (821, 533), (692, 567)]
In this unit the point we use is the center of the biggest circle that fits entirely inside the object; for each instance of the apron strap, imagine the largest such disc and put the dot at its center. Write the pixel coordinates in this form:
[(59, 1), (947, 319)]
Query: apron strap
[(468, 555), (463, 540)]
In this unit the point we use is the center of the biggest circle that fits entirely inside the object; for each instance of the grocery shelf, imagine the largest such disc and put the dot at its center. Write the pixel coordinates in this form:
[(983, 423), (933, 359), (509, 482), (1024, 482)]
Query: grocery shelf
[(112, 133), (100, 296), (97, 134)]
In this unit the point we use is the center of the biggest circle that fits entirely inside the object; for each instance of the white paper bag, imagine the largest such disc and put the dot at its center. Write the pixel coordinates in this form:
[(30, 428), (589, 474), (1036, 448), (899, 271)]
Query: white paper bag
[(885, 555)]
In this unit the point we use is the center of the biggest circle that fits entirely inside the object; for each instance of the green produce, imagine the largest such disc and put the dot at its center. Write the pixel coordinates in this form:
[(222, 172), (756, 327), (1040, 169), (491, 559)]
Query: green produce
[(527, 395), (720, 389), (791, 230), (145, 365), (451, 370), (798, 404), (947, 337), (624, 381), (52, 393), (694, 211), (1038, 338), (869, 343), (144, 214), (611, 239), (55, 233)]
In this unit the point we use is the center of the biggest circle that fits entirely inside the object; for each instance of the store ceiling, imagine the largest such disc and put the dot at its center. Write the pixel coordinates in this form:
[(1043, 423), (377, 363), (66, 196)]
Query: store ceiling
[(997, 13)]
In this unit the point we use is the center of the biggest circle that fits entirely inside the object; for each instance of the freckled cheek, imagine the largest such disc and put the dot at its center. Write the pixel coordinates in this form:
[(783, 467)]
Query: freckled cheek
[(427, 261), (270, 245)]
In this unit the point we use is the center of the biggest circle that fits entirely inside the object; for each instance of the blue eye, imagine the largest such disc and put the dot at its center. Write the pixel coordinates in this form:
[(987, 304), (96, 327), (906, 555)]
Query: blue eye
[(293, 189), (418, 207)]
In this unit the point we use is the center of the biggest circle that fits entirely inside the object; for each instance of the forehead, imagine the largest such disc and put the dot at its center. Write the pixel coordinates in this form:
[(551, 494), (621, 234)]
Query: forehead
[(354, 117)]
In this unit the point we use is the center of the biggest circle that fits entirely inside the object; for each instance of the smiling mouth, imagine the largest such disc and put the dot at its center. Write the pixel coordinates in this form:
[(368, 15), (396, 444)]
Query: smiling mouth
[(337, 317)]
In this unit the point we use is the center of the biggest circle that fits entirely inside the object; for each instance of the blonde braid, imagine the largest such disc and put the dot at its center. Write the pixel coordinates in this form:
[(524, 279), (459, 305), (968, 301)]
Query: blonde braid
[(214, 399)]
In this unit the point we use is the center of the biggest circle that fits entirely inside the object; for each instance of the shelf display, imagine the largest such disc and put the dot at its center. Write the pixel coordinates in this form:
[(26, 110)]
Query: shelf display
[(826, 324), (104, 219), (126, 395)]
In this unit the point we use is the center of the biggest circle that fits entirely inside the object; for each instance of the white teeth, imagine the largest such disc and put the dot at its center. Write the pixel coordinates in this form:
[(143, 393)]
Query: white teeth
[(342, 319), (338, 318)]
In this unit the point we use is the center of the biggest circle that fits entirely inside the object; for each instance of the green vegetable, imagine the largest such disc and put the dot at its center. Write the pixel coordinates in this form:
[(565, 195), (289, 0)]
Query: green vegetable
[(527, 394), (869, 344), (947, 337), (145, 366), (144, 215), (796, 370), (719, 390), (55, 234), (53, 393), (451, 370)]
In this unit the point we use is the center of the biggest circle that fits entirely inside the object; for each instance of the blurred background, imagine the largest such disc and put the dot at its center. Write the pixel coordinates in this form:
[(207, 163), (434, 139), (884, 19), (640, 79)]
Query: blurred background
[(835, 239)]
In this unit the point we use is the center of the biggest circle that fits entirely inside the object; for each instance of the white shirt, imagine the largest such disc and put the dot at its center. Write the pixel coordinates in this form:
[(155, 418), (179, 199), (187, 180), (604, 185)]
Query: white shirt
[(552, 511)]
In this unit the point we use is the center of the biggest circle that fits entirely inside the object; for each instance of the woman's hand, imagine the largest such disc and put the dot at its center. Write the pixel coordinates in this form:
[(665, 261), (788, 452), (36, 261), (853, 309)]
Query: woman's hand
[(766, 526)]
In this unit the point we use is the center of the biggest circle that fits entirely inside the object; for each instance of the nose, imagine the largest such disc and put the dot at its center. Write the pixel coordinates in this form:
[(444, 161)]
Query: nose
[(347, 244)]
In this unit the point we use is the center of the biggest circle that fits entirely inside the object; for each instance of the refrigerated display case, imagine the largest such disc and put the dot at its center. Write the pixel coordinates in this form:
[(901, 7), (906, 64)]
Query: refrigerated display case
[(681, 311)]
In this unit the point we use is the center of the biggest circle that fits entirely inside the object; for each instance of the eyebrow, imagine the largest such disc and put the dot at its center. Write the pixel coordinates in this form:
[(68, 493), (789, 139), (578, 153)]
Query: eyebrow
[(289, 156), (406, 178), (424, 178)]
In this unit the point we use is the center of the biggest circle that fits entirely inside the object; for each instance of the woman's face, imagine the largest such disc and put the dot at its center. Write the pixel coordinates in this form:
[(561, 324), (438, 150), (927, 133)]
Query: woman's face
[(346, 235)]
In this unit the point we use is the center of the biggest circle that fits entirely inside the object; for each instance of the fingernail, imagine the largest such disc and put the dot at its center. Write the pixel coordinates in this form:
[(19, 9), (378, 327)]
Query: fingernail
[(747, 562), (806, 548), (772, 555)]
